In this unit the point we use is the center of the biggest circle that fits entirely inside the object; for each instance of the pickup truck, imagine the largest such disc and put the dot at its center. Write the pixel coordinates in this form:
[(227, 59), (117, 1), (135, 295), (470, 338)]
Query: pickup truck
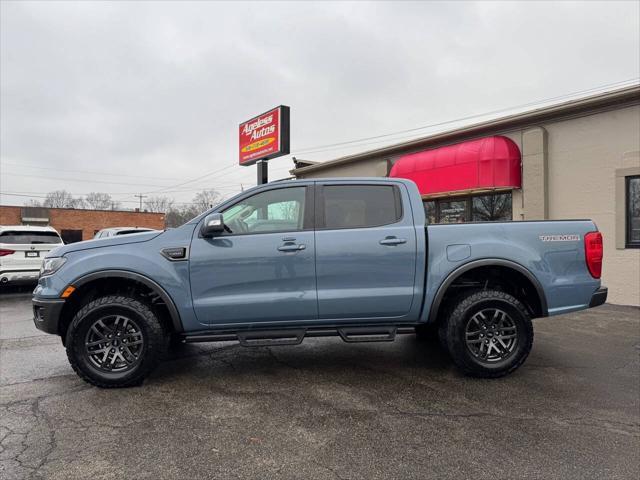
[(310, 258)]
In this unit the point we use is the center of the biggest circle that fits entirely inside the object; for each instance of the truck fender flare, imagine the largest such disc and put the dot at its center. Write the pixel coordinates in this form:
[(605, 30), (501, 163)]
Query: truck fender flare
[(155, 287), (486, 262)]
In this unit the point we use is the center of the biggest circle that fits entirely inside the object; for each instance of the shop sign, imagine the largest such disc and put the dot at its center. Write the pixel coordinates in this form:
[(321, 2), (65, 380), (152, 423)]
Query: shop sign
[(265, 136)]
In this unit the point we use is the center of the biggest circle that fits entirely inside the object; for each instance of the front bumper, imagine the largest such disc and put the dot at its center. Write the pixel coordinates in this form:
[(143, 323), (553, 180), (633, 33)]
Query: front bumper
[(598, 297), (46, 314)]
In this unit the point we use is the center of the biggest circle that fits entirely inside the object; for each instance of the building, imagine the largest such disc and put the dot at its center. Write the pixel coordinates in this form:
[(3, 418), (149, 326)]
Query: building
[(570, 160), (75, 225)]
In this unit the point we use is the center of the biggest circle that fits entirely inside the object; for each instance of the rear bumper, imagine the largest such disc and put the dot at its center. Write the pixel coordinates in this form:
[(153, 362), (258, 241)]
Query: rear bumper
[(46, 314), (11, 277), (598, 297)]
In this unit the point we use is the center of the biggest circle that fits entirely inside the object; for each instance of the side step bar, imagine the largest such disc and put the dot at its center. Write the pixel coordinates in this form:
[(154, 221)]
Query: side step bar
[(272, 338), (367, 334)]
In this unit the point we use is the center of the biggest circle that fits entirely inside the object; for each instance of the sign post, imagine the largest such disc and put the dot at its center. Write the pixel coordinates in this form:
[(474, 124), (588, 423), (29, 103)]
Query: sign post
[(264, 137), (263, 172)]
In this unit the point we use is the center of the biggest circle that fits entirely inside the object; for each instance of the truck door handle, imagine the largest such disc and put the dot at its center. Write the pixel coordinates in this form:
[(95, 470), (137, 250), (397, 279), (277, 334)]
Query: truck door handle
[(292, 247), (392, 241)]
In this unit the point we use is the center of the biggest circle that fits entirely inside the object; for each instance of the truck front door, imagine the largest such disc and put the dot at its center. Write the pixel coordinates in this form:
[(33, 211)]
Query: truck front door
[(263, 270), (365, 251)]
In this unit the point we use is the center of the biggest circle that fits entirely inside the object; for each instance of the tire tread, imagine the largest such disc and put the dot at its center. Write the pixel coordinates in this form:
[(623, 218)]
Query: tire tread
[(156, 341), (456, 344)]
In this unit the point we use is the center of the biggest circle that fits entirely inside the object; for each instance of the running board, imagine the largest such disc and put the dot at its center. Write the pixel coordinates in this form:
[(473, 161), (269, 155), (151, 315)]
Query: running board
[(271, 338), (367, 334)]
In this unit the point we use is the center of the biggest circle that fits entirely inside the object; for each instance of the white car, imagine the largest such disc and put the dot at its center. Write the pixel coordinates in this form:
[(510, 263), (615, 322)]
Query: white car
[(115, 231), (22, 249)]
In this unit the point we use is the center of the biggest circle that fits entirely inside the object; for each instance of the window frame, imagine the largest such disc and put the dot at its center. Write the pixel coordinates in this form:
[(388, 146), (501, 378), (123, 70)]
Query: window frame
[(627, 213), (307, 214), (468, 211), (320, 213)]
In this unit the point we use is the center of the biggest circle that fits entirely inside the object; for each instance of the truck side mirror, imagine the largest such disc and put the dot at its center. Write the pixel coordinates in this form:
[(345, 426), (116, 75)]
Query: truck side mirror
[(213, 225)]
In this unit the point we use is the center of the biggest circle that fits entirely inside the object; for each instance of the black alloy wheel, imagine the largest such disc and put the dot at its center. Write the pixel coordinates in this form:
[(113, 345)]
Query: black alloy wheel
[(491, 335), (488, 334), (115, 341)]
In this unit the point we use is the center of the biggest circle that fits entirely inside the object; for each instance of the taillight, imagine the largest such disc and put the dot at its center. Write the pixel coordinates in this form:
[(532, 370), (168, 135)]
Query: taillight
[(593, 253), (6, 251)]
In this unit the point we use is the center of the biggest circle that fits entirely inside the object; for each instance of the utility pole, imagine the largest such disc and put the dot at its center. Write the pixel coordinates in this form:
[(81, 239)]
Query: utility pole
[(140, 197)]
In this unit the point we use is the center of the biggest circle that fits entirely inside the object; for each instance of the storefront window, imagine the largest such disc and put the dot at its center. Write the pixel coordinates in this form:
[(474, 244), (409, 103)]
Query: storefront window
[(494, 207), (453, 211), (430, 211), (633, 212), (491, 208)]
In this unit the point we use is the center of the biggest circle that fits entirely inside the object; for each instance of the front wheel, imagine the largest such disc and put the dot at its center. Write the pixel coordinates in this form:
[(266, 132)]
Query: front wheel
[(115, 341), (489, 333)]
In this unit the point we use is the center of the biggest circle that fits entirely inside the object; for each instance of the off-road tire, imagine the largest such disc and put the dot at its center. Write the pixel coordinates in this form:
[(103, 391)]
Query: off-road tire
[(153, 350), (464, 309)]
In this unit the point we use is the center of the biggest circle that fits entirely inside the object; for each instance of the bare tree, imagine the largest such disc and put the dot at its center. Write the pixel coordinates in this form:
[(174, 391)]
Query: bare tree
[(33, 203), (158, 204), (61, 199), (98, 201), (206, 199), (179, 215)]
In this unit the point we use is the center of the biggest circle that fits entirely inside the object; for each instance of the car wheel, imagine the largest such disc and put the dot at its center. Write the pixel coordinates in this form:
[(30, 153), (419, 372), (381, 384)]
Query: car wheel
[(115, 341), (489, 333)]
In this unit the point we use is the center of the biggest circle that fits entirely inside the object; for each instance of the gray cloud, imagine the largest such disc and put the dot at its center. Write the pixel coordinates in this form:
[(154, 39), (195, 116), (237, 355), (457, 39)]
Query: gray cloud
[(158, 88)]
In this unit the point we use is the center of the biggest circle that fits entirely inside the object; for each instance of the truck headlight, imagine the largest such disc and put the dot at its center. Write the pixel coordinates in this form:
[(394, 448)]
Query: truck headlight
[(51, 265)]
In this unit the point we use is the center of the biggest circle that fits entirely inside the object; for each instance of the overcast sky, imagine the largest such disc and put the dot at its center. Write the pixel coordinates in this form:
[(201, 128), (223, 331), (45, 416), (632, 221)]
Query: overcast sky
[(149, 94)]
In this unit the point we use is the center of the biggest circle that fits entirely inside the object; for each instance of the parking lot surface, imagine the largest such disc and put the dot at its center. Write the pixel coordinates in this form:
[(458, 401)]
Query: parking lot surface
[(327, 409)]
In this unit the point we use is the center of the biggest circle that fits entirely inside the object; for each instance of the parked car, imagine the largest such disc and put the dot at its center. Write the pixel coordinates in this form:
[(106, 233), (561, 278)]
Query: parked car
[(115, 231), (22, 250), (311, 258)]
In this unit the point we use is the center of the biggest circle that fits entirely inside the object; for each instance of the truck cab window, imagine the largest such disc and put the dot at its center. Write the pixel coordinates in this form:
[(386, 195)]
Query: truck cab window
[(278, 210), (360, 206)]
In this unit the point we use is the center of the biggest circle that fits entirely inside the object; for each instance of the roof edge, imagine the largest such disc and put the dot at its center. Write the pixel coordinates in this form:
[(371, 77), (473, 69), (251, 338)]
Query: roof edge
[(585, 105)]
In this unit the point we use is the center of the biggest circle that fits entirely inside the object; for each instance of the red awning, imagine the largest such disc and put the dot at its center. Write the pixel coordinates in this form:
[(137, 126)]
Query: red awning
[(487, 163)]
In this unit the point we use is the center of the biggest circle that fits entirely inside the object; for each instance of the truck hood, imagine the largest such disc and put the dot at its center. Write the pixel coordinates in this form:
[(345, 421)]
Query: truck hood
[(104, 242)]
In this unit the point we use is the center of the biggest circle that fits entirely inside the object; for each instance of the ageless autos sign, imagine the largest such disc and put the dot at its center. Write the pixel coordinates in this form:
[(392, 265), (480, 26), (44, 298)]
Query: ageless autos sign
[(265, 136)]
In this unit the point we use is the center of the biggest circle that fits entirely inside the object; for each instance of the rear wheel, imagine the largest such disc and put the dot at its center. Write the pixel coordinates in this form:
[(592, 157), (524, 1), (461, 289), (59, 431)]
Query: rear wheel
[(489, 333), (115, 341)]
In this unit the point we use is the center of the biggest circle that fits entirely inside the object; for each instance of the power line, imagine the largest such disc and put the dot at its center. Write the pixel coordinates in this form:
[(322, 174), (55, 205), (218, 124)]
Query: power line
[(321, 148), (327, 147), (79, 180), (194, 179), (119, 201), (95, 181), (93, 172)]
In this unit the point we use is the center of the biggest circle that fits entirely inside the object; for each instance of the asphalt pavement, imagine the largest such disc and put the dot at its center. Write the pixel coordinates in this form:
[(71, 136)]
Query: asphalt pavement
[(328, 410)]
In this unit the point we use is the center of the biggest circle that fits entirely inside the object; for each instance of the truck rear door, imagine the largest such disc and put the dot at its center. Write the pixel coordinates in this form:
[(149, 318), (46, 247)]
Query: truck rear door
[(365, 250)]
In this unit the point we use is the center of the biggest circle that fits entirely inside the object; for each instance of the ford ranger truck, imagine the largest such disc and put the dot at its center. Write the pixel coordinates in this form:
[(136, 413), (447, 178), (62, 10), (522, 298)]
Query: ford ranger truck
[(312, 258)]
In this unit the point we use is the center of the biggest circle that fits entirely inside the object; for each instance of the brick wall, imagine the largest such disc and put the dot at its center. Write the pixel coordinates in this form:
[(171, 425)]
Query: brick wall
[(10, 215), (87, 220)]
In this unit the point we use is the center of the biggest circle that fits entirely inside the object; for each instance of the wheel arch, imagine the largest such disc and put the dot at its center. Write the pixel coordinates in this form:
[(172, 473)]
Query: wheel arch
[(540, 309), (83, 283)]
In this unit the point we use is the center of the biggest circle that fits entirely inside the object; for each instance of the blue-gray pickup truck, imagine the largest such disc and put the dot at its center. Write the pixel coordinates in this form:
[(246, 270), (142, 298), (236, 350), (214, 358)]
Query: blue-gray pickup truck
[(311, 258)]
